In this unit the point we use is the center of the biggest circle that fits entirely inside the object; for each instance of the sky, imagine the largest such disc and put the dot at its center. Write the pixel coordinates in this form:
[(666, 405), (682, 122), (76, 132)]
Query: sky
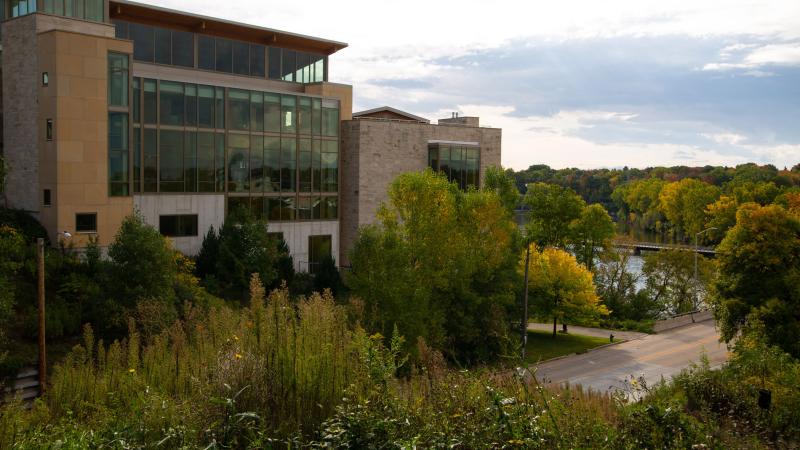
[(587, 84)]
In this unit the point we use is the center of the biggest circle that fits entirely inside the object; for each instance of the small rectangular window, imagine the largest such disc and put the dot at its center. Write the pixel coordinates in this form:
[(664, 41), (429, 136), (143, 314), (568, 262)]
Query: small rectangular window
[(48, 200), (86, 222), (184, 225), (274, 63), (45, 79), (205, 52), (49, 129)]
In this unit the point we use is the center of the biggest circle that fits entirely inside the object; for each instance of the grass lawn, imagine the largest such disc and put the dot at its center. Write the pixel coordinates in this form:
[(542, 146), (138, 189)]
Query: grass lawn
[(542, 346)]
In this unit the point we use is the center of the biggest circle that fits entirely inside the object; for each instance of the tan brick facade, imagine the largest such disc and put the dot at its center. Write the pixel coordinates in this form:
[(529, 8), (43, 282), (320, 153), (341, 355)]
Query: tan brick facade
[(375, 152)]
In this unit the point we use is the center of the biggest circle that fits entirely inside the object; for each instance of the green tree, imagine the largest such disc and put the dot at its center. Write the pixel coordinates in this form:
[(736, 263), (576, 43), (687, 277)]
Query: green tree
[(638, 203), (670, 282), (142, 263), (562, 288), (12, 247), (245, 248), (439, 264), (553, 209), (502, 182), (684, 204), (759, 276), (721, 217), (617, 288), (591, 232)]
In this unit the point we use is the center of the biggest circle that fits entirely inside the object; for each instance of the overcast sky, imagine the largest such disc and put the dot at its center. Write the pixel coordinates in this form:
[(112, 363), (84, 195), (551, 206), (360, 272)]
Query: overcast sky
[(572, 83)]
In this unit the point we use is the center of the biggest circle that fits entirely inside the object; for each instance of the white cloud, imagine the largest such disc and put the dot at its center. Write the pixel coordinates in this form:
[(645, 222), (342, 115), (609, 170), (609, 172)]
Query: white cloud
[(783, 54), (725, 138)]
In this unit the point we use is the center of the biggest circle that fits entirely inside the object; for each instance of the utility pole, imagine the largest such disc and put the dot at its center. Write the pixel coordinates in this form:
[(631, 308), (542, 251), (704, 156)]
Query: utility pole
[(42, 350), (525, 301)]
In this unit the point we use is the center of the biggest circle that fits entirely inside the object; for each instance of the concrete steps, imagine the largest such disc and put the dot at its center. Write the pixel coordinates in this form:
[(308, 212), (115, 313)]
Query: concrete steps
[(25, 387)]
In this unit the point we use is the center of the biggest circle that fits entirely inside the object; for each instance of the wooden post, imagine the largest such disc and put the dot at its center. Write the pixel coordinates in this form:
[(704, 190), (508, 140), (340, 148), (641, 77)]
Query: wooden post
[(525, 302), (42, 352)]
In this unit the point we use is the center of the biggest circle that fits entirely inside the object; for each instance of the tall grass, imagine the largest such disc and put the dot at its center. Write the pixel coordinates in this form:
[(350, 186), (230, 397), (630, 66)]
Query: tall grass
[(289, 364)]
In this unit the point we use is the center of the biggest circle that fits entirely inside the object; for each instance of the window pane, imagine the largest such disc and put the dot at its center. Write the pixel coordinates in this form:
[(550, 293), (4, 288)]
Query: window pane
[(444, 160), (288, 114), (219, 108), (257, 68), (272, 112), (288, 164), (172, 103), (219, 161), (205, 162), (302, 63), (316, 165), (150, 102), (205, 52), (304, 115), (205, 106), (319, 69), (304, 161), (238, 163), (256, 111), (433, 157), (274, 63), (136, 100), (257, 207), (332, 208), (190, 97), (118, 154), (86, 223), (120, 27), (273, 206), (239, 109), (330, 118), (171, 161), (241, 58), (272, 166), (137, 160), (150, 155), (117, 79), (288, 209), (163, 46), (316, 117), (288, 63), (190, 162), (224, 55), (94, 10), (236, 203), (330, 166), (183, 48), (256, 164), (304, 208), (143, 41)]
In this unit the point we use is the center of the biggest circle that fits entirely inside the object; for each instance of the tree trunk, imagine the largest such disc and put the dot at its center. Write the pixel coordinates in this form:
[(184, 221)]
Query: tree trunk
[(555, 324), (564, 328)]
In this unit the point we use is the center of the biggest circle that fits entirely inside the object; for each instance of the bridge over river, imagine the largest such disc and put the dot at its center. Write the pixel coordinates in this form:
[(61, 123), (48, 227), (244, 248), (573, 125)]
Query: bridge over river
[(639, 247)]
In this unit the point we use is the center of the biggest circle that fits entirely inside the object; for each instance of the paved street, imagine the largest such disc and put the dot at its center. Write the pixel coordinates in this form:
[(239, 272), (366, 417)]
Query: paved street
[(654, 356), (594, 332)]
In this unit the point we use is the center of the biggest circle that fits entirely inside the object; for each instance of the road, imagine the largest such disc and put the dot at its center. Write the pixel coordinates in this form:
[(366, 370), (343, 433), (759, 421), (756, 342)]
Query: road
[(594, 332), (653, 356)]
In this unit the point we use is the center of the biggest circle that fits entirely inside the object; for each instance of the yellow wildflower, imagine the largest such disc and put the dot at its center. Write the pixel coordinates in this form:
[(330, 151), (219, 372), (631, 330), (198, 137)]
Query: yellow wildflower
[(238, 356), (131, 370)]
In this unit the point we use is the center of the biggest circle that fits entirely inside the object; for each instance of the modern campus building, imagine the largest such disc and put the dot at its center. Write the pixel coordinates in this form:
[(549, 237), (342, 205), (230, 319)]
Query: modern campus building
[(113, 106)]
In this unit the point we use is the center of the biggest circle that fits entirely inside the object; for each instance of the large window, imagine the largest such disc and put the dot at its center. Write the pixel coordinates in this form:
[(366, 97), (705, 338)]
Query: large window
[(461, 164), (170, 156), (178, 225)]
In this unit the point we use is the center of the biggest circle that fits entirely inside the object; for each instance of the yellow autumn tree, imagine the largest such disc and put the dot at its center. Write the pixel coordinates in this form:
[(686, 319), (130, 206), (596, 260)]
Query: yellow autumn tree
[(561, 288)]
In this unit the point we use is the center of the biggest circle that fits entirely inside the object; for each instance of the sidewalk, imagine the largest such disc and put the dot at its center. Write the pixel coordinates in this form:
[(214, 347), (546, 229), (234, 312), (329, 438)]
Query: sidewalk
[(594, 332)]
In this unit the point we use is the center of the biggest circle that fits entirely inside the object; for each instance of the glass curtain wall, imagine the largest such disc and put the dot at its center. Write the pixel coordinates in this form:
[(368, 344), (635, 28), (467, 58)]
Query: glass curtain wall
[(172, 47), (119, 179), (78, 9), (275, 154)]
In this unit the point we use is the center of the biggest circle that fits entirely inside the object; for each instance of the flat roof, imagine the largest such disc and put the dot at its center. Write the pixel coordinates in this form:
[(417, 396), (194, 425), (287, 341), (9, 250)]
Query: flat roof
[(156, 15)]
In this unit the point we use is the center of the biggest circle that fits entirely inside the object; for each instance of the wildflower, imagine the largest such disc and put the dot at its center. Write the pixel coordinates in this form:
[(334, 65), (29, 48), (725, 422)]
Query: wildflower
[(516, 442), (238, 356), (235, 337), (131, 370), (376, 337)]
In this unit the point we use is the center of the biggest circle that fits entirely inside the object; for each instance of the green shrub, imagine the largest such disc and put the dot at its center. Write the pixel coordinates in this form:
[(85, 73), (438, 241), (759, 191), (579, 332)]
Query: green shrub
[(25, 223)]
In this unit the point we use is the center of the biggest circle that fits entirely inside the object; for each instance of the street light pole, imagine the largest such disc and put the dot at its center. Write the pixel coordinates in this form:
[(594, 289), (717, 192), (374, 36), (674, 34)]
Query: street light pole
[(696, 281)]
